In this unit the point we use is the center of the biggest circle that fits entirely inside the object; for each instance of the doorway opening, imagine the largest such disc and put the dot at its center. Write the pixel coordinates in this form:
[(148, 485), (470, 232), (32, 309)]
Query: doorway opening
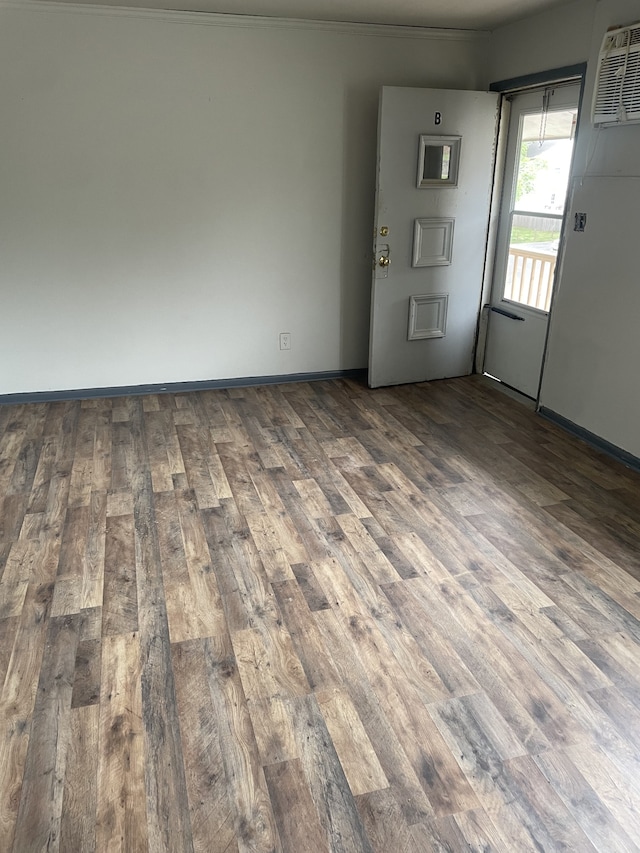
[(536, 180)]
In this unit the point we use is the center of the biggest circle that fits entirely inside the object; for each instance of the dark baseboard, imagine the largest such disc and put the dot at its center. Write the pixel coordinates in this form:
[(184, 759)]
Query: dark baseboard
[(178, 387), (591, 438)]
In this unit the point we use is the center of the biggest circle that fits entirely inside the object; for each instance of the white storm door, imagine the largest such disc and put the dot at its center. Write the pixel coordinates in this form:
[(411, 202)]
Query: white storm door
[(436, 152), (540, 143)]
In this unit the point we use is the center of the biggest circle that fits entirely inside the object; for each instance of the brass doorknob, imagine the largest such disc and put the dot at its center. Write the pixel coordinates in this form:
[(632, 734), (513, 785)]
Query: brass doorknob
[(384, 261)]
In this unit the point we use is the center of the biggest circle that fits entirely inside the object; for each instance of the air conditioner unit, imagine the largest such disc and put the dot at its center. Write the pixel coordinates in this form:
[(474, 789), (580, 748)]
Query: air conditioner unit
[(616, 99)]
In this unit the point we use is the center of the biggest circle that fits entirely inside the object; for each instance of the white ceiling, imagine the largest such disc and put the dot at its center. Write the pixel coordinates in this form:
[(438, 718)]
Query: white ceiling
[(458, 14)]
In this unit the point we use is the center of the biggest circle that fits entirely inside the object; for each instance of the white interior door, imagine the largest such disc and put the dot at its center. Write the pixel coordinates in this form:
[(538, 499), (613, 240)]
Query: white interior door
[(433, 191), (538, 163)]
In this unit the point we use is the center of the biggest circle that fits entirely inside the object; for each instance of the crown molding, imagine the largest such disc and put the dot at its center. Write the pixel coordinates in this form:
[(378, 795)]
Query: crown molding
[(215, 19)]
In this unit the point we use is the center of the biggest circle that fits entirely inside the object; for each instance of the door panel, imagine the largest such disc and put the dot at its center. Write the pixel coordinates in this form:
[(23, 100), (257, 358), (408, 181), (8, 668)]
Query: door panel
[(538, 163), (430, 231)]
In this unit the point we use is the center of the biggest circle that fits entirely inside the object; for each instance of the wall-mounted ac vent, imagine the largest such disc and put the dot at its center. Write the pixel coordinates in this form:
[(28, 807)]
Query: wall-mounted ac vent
[(616, 99)]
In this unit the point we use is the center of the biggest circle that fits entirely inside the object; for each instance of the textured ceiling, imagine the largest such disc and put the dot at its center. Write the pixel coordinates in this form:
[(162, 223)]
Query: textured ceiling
[(459, 14)]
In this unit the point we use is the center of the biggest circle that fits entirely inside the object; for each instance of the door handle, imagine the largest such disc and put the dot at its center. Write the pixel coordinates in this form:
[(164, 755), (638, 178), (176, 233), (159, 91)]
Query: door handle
[(382, 256), (508, 314)]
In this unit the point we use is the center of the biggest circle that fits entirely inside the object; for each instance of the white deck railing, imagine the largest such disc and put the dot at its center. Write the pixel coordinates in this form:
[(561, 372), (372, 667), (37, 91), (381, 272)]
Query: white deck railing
[(530, 277)]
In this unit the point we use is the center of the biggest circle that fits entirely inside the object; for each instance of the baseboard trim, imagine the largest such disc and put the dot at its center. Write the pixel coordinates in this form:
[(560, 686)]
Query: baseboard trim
[(177, 387), (591, 438)]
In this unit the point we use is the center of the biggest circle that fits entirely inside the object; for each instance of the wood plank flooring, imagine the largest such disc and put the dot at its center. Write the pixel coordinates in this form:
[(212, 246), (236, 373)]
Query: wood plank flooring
[(315, 617)]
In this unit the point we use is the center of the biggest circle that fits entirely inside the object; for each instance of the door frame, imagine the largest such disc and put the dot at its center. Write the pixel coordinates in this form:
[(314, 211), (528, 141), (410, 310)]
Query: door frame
[(506, 88)]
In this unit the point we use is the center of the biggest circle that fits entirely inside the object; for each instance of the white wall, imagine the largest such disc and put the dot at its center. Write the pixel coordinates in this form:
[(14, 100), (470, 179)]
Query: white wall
[(173, 195), (592, 371), (552, 39), (591, 376)]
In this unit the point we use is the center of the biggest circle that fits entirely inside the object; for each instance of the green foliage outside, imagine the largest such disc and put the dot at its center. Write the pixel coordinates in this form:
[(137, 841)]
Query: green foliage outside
[(530, 235), (528, 170)]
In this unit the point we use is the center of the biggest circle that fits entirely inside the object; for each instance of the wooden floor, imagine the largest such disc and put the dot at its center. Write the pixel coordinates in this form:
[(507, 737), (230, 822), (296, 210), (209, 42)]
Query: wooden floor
[(315, 617)]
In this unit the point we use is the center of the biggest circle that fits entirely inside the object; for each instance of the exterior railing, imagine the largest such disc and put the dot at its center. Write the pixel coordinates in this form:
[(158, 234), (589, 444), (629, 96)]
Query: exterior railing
[(530, 277)]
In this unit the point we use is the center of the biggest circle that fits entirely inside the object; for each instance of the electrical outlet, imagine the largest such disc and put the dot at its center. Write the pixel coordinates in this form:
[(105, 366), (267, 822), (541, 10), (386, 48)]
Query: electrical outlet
[(285, 340)]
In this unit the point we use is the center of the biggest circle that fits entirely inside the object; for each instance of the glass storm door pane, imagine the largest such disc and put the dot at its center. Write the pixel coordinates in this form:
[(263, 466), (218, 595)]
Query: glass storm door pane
[(540, 190)]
